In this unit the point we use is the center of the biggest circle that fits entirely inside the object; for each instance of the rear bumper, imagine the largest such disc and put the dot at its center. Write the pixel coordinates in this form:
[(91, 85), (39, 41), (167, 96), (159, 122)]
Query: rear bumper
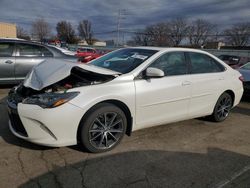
[(238, 95)]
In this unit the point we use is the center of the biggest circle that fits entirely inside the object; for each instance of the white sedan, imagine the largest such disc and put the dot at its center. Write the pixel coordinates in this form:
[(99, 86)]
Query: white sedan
[(95, 104)]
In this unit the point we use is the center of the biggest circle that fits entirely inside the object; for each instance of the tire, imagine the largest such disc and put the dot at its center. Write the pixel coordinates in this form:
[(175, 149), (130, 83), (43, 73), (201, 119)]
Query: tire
[(103, 128), (222, 108)]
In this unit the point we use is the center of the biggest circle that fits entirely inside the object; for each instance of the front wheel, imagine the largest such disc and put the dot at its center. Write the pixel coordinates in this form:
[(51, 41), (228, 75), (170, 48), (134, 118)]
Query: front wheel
[(103, 128), (222, 108)]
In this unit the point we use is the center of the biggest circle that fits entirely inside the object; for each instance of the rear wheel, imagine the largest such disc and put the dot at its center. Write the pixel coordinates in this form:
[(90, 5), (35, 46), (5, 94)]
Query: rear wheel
[(104, 128), (222, 107)]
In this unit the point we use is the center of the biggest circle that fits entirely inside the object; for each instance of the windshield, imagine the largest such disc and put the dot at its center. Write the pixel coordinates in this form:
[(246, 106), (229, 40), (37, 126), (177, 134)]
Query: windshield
[(246, 66), (124, 60)]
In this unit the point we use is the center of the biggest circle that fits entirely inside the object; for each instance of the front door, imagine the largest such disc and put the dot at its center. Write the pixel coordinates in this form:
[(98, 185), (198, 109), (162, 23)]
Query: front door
[(166, 99), (7, 62)]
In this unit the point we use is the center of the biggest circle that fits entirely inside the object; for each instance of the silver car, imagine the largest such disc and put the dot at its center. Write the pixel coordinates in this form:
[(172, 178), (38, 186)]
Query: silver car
[(17, 57)]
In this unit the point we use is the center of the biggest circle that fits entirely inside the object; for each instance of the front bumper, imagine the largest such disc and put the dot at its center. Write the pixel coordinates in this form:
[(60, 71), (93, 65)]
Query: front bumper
[(54, 127)]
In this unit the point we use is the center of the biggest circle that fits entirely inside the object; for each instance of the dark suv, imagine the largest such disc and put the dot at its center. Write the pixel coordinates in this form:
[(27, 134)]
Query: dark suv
[(17, 57), (234, 61)]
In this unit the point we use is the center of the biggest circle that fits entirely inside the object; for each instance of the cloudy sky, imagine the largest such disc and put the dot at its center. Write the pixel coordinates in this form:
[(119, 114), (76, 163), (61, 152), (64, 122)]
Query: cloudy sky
[(138, 13)]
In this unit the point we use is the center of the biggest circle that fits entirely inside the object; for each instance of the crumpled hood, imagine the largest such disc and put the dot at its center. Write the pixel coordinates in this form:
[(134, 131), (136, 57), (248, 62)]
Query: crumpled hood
[(51, 71)]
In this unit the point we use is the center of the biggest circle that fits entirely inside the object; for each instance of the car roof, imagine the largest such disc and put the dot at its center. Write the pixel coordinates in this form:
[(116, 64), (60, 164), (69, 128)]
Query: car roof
[(226, 55), (166, 49), (55, 51), (19, 41), (6, 38), (85, 48)]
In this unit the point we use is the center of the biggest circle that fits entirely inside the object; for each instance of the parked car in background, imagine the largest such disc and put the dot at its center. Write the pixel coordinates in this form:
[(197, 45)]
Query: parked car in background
[(17, 57), (245, 71), (123, 91), (234, 61), (65, 51), (87, 54)]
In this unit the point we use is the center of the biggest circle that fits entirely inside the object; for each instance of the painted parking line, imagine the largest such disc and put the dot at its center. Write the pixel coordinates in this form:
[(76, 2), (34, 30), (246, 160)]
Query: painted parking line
[(233, 177)]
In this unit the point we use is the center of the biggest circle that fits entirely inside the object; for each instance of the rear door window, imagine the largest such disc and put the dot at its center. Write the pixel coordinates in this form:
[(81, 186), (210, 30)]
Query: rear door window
[(29, 50), (202, 63)]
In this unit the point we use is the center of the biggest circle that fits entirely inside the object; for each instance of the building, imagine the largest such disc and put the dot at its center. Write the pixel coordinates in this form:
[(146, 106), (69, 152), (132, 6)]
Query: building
[(8, 30), (214, 45), (96, 43)]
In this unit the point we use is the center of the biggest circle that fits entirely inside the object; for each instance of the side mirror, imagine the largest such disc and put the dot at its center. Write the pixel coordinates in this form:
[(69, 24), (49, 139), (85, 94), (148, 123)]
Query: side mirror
[(154, 73)]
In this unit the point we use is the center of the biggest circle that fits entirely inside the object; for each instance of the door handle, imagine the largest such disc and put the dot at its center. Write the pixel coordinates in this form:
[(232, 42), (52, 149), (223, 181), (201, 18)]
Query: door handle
[(186, 83), (8, 62)]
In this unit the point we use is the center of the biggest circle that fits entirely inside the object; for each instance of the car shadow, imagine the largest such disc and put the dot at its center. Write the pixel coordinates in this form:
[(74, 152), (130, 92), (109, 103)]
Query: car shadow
[(6, 134), (245, 98), (7, 86), (152, 168), (241, 110)]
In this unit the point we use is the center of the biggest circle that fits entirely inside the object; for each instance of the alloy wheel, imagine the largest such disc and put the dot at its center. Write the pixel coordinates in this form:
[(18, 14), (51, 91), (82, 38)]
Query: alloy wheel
[(224, 107), (106, 130)]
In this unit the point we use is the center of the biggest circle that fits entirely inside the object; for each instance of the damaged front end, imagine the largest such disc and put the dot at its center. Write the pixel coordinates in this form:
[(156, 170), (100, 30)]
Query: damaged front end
[(48, 84), (58, 93)]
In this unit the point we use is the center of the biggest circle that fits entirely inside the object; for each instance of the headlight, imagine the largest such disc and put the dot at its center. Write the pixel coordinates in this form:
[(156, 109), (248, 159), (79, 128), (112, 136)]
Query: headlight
[(50, 100)]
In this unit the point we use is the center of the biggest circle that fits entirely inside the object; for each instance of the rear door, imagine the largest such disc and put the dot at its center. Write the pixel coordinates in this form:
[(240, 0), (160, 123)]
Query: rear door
[(208, 83), (7, 62), (27, 56)]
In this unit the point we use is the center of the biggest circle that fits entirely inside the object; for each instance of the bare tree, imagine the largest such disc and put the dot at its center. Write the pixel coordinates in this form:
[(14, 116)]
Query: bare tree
[(199, 32), (158, 35), (141, 38), (85, 31), (153, 35), (178, 28), (41, 29), (238, 35), (66, 32), (22, 33)]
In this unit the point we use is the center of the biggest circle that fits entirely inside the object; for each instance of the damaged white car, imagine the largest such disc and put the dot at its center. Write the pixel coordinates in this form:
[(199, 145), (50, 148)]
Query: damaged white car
[(95, 104)]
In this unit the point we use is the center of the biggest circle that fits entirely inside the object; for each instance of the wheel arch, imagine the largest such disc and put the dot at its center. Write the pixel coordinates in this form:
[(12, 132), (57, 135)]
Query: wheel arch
[(117, 103), (231, 93)]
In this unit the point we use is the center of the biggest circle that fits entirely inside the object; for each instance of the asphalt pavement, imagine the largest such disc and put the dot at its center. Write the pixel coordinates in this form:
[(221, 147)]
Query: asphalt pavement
[(194, 153)]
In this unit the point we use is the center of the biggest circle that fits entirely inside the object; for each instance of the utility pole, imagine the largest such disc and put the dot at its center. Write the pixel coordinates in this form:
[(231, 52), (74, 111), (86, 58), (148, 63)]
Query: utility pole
[(121, 15)]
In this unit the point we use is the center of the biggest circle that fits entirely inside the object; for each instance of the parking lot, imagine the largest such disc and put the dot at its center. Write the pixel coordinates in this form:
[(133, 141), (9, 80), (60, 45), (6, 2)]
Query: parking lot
[(193, 153)]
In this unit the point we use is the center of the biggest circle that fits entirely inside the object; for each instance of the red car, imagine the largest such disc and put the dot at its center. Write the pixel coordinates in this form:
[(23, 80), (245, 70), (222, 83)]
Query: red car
[(87, 54)]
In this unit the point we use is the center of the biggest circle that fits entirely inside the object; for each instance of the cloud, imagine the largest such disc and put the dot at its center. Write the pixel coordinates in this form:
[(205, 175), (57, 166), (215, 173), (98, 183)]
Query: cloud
[(137, 14)]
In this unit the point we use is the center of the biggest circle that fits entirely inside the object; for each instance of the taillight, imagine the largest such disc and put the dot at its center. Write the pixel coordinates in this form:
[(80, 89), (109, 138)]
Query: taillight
[(241, 78)]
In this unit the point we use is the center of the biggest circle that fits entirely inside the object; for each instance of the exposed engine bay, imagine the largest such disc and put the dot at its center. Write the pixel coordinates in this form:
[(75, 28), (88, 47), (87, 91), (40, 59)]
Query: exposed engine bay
[(77, 78)]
